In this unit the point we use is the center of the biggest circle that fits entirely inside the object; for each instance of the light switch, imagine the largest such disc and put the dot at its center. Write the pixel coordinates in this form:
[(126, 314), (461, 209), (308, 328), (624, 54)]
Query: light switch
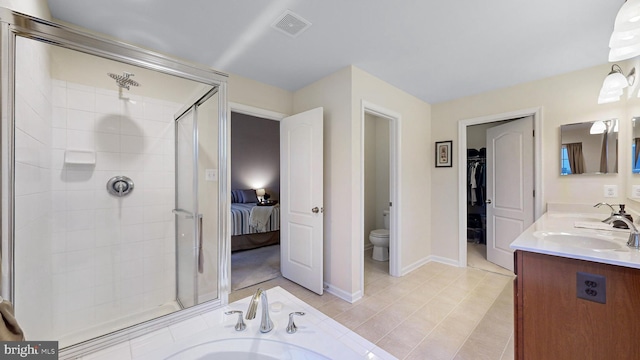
[(635, 191), (211, 175), (610, 191)]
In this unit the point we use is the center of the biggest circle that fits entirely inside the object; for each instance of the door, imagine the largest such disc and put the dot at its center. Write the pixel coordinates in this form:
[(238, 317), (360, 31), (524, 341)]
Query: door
[(186, 207), (510, 202), (188, 218), (301, 197)]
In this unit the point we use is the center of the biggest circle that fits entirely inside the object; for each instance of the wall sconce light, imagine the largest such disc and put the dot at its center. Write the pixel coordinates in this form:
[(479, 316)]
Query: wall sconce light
[(614, 84), (625, 39), (260, 193), (600, 127)]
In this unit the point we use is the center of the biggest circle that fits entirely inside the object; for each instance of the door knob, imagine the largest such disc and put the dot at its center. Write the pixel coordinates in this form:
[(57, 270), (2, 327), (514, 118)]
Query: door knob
[(488, 201), (315, 210)]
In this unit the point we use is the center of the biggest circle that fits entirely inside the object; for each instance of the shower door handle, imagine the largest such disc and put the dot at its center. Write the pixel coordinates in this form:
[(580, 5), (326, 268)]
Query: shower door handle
[(200, 239), (184, 213)]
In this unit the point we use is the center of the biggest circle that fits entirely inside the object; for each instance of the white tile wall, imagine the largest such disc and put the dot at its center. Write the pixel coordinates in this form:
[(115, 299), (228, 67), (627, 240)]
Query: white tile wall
[(34, 219), (110, 253), (95, 257)]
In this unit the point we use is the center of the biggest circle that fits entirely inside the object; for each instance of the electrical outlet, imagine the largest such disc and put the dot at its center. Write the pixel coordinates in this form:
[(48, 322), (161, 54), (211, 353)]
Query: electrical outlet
[(210, 175), (610, 191), (635, 191), (591, 287)]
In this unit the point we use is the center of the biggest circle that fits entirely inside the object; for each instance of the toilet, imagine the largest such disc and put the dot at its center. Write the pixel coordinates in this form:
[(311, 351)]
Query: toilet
[(380, 240)]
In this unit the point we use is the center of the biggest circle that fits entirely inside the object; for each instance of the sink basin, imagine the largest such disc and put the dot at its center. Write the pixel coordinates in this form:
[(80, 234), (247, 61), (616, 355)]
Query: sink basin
[(247, 349), (593, 242)]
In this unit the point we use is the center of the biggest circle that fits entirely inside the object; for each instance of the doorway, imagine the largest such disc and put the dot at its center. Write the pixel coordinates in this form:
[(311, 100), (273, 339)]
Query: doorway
[(376, 192), (254, 167), (465, 130), (392, 169), (476, 196)]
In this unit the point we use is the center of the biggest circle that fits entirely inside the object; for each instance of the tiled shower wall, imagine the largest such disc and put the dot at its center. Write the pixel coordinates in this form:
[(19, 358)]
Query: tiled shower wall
[(111, 256), (33, 114), (83, 256)]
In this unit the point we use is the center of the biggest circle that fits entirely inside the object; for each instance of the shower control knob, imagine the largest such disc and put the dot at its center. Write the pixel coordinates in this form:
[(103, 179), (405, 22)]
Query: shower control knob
[(119, 186)]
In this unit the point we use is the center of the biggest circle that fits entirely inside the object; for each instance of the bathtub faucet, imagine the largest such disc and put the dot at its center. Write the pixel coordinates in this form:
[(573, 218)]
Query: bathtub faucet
[(266, 324)]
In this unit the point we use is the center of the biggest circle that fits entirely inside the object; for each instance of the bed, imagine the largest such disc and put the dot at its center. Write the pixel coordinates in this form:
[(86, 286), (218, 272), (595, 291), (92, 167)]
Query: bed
[(250, 233)]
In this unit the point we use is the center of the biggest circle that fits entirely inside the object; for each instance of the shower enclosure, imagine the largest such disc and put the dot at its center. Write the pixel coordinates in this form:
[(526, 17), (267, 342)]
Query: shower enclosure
[(113, 211)]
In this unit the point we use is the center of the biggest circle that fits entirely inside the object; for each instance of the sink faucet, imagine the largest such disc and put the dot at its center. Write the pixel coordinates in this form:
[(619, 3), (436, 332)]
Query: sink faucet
[(613, 212), (266, 324), (634, 236)]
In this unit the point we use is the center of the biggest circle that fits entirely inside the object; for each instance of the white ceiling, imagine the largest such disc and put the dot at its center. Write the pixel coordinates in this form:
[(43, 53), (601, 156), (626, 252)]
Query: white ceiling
[(435, 50)]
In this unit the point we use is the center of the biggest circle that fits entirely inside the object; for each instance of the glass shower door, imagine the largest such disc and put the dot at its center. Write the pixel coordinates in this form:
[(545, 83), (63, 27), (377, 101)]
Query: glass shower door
[(186, 211), (196, 215)]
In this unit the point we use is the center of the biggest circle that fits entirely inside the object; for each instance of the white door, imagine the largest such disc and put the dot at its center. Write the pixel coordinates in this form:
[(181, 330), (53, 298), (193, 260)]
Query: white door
[(301, 196), (509, 187)]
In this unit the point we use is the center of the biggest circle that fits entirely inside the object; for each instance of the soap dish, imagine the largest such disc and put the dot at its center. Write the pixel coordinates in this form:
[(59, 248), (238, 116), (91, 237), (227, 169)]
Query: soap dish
[(80, 157)]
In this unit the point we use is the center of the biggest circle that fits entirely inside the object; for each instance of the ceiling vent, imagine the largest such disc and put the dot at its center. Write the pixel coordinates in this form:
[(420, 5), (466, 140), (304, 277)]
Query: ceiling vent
[(291, 24)]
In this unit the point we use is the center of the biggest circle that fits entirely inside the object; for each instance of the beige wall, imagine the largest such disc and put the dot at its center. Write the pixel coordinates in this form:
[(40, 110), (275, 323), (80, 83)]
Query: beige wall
[(90, 70), (245, 91), (341, 94), (568, 98), (38, 8), (415, 151), (333, 93)]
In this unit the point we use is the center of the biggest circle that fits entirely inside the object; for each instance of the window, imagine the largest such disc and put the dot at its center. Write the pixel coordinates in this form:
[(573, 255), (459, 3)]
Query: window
[(636, 164), (564, 164)]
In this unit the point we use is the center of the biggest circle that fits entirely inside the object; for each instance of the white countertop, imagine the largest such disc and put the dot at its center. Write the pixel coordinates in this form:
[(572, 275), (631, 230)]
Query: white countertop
[(564, 224)]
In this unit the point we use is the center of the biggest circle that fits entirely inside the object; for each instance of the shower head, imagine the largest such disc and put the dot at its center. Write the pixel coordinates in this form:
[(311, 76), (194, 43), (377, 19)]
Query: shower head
[(124, 80)]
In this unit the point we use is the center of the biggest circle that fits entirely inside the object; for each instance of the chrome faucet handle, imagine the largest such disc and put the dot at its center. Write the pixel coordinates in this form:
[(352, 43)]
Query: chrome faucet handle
[(634, 235), (240, 325), (609, 205), (291, 327), (253, 305), (266, 324)]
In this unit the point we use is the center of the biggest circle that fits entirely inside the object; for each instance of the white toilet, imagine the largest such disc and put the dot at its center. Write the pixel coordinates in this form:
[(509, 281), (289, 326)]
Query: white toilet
[(380, 240)]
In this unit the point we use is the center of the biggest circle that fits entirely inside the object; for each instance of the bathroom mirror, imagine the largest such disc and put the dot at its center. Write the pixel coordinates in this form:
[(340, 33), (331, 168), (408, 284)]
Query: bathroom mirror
[(589, 148), (635, 145)]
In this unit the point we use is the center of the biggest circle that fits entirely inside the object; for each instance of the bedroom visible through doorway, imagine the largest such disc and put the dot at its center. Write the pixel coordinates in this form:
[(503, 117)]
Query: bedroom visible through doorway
[(255, 191)]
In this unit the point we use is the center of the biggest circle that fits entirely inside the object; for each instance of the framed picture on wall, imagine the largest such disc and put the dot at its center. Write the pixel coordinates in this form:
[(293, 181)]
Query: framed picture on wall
[(443, 153)]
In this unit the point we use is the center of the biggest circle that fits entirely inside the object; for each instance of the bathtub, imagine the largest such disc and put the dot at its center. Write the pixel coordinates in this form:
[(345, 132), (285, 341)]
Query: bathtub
[(212, 336)]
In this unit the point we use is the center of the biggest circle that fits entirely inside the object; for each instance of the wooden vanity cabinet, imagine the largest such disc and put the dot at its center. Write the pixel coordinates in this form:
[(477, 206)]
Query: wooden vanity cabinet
[(551, 322)]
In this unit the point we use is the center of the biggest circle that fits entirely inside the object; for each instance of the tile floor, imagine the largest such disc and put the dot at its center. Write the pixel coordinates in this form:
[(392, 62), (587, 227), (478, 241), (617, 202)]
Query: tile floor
[(435, 312), (477, 258)]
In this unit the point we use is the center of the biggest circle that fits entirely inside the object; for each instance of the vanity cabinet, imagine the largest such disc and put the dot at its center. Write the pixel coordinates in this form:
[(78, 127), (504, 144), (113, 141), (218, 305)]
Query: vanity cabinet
[(551, 322)]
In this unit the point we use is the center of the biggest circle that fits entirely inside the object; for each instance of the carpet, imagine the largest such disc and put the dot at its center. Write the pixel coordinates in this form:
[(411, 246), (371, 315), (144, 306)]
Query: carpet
[(254, 266)]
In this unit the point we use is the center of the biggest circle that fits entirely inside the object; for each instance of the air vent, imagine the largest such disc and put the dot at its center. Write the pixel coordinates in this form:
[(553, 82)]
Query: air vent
[(291, 23)]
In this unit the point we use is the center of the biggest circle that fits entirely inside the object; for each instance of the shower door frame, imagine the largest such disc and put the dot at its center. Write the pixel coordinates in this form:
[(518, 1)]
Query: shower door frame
[(14, 24), (193, 108)]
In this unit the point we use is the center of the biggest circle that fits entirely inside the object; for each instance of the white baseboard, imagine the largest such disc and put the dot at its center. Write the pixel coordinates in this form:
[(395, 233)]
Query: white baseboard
[(428, 259), (415, 265), (344, 295), (444, 260)]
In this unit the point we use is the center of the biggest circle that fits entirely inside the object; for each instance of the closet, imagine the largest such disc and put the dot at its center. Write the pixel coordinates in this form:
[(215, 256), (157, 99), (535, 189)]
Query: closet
[(476, 195)]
